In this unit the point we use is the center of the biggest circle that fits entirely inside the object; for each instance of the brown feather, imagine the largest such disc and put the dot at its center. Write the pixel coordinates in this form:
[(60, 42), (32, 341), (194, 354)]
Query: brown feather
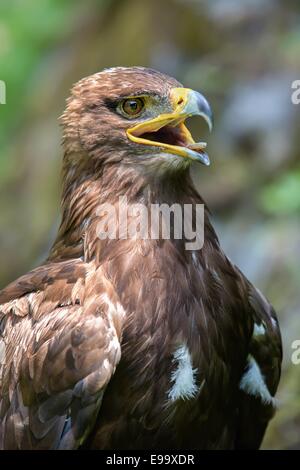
[(63, 323)]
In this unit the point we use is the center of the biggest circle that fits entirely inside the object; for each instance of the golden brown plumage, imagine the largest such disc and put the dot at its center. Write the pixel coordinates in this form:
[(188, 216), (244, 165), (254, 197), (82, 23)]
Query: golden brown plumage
[(132, 343)]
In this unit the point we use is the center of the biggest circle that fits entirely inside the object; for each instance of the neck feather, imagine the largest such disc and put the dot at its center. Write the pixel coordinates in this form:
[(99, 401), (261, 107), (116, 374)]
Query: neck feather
[(87, 188)]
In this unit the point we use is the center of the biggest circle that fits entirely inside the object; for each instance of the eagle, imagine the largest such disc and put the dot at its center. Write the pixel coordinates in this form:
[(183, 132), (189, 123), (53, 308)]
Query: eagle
[(134, 342)]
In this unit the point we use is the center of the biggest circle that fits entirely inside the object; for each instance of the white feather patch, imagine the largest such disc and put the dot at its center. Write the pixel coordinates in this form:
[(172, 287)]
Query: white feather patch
[(253, 383), (259, 330), (183, 377)]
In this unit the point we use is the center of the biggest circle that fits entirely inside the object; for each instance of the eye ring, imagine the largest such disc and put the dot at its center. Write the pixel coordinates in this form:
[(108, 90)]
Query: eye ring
[(132, 107)]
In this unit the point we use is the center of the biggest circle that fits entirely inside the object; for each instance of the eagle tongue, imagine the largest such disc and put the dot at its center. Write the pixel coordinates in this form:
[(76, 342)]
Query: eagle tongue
[(197, 146)]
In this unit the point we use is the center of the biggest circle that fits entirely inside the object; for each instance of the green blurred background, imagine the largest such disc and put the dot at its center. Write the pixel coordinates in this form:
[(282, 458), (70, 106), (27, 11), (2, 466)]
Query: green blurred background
[(243, 56)]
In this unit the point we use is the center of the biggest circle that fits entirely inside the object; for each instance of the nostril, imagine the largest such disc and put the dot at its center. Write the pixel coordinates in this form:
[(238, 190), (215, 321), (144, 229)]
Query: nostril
[(180, 101)]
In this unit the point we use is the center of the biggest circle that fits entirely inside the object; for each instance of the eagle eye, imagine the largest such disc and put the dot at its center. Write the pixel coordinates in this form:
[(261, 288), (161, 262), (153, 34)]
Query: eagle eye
[(132, 106)]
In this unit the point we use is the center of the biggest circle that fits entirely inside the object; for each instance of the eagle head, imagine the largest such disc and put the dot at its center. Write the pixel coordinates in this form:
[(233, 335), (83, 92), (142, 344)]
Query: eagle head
[(135, 116)]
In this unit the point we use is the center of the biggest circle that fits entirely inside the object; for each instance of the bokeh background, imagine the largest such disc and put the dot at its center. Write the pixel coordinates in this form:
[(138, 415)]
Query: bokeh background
[(243, 56)]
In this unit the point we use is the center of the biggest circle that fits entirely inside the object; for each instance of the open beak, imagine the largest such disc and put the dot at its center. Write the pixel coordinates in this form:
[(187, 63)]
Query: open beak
[(169, 132)]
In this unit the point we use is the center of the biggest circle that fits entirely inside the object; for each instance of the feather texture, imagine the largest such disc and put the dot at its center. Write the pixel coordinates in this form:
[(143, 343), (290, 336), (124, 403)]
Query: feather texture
[(132, 343)]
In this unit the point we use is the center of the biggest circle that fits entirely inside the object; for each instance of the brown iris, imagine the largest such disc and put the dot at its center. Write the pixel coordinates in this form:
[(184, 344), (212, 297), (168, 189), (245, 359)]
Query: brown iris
[(133, 106)]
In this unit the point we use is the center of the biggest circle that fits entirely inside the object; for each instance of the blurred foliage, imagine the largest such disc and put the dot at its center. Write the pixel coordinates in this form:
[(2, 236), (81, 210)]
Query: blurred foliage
[(242, 55), (283, 195)]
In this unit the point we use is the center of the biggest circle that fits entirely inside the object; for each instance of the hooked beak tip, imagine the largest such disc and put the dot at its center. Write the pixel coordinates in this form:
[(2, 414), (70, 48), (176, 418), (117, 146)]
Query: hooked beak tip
[(205, 110)]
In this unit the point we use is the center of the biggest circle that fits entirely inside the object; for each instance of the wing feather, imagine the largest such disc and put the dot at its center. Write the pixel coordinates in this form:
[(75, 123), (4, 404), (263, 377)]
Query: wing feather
[(59, 347), (262, 373)]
